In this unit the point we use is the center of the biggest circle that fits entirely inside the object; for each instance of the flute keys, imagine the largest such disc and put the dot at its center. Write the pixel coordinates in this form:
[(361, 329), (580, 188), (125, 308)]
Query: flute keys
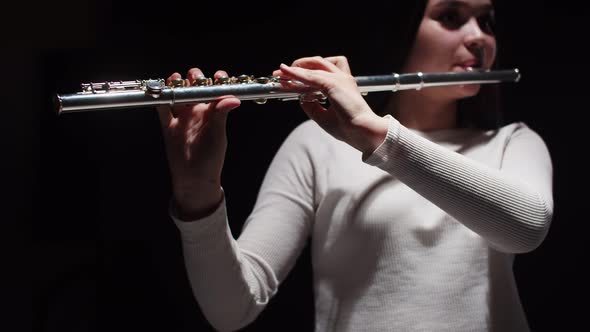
[(222, 80), (243, 79), (201, 81), (154, 87), (262, 80), (313, 97), (176, 83)]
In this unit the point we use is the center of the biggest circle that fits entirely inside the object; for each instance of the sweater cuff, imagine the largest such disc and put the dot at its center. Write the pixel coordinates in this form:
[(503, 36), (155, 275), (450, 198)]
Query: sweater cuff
[(194, 227), (387, 149)]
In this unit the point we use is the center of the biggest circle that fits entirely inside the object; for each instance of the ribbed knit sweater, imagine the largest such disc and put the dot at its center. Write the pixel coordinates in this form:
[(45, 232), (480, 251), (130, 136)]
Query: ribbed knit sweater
[(418, 236)]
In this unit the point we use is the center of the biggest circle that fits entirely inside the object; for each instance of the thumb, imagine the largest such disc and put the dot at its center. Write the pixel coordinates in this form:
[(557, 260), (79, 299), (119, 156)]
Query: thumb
[(225, 105), (315, 111), (218, 111)]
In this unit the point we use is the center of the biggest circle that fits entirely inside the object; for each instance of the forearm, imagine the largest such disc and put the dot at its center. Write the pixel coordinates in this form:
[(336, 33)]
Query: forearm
[(510, 214), (230, 285)]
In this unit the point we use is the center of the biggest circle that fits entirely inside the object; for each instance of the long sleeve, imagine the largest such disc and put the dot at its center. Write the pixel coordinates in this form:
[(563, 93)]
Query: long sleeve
[(233, 279), (510, 207)]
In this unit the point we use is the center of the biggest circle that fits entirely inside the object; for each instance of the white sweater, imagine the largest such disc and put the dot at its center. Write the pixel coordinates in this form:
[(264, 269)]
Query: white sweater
[(420, 236)]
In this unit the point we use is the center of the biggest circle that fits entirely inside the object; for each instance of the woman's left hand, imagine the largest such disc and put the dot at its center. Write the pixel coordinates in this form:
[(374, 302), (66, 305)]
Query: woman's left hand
[(348, 118)]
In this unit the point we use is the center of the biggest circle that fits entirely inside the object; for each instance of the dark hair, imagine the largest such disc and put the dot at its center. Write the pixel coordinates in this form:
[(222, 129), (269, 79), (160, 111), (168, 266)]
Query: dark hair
[(393, 27)]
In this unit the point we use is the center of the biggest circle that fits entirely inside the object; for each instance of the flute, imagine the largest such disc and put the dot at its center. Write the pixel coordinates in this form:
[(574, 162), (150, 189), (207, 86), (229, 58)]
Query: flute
[(153, 92)]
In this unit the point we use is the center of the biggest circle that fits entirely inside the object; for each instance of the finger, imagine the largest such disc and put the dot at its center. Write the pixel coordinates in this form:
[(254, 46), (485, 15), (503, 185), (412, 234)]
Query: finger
[(166, 111), (310, 77), (174, 76), (314, 62), (221, 77), (327, 64), (220, 73), (315, 111), (284, 77), (193, 74), (278, 72), (218, 110), (225, 104), (340, 61), (184, 111)]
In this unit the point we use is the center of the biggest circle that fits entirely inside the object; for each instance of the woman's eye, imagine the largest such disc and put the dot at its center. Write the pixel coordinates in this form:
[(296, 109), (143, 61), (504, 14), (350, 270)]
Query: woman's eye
[(487, 24), (450, 19)]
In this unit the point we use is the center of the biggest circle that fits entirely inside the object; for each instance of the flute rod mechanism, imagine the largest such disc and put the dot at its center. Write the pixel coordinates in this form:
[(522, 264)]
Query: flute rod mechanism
[(153, 92)]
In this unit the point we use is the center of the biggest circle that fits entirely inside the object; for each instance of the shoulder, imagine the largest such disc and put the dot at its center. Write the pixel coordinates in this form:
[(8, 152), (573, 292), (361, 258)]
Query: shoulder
[(519, 130), (519, 138), (513, 127)]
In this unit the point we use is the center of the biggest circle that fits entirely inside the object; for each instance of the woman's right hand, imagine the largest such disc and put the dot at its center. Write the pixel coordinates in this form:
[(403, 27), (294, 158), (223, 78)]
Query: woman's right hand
[(196, 141)]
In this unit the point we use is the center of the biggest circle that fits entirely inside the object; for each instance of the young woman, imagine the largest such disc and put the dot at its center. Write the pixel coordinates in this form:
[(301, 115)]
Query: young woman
[(415, 208)]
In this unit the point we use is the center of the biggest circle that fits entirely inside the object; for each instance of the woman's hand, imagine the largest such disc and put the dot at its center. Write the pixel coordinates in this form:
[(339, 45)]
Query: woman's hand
[(196, 142), (348, 118)]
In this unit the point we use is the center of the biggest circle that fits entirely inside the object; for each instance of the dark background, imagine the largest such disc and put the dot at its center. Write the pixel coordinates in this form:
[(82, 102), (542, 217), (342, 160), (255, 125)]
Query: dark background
[(93, 188)]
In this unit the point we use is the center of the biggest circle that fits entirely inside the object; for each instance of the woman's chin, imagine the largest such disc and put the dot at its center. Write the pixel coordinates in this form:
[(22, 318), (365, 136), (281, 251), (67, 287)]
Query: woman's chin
[(469, 90)]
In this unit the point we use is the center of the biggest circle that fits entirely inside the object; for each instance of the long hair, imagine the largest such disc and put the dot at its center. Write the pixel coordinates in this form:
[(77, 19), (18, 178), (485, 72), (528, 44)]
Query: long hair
[(389, 37)]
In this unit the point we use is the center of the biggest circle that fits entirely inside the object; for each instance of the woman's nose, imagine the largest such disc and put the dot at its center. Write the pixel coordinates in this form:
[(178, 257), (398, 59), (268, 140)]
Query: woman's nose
[(474, 35)]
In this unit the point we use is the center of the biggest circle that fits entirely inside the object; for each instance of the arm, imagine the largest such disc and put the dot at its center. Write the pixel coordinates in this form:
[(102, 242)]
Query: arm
[(510, 207), (233, 280)]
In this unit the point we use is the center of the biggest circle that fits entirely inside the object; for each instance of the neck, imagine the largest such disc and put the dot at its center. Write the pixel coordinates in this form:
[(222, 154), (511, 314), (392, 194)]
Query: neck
[(418, 111)]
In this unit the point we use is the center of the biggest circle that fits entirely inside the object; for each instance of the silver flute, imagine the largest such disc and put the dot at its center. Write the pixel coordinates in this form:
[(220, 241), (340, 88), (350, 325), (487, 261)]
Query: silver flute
[(154, 92)]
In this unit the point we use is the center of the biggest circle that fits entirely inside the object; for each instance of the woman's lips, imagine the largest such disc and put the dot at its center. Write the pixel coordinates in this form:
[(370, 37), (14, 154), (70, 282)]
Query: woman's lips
[(465, 67)]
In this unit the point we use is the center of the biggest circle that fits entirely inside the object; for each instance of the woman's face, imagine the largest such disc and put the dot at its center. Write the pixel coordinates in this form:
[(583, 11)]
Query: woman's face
[(454, 35)]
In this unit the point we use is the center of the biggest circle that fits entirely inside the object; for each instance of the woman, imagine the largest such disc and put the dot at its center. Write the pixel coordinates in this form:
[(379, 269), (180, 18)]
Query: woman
[(415, 209)]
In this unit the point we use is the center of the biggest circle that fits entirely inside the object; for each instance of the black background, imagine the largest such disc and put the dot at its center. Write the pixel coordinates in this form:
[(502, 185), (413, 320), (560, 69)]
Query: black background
[(93, 187)]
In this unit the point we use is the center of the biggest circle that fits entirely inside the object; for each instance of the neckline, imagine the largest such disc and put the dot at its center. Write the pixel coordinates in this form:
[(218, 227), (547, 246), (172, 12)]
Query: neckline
[(447, 135)]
